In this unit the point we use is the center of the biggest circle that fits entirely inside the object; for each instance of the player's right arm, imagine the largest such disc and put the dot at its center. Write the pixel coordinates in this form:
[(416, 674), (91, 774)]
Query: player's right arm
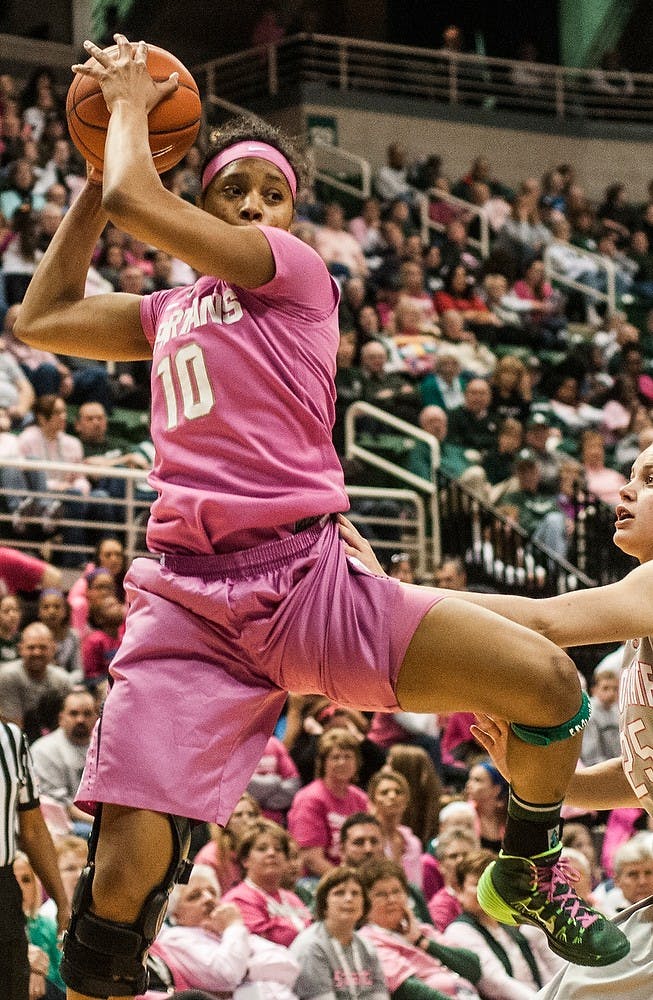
[(55, 316)]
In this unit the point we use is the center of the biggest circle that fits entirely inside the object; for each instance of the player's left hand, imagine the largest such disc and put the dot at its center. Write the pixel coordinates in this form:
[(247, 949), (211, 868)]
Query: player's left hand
[(359, 547)]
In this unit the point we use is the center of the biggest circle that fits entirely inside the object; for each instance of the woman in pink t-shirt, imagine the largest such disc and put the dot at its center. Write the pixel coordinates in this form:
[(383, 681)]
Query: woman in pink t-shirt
[(320, 808), (254, 593), (268, 910)]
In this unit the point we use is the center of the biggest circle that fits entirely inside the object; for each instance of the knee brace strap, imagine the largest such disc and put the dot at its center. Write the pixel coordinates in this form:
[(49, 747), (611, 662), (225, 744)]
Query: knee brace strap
[(104, 958), (542, 736)]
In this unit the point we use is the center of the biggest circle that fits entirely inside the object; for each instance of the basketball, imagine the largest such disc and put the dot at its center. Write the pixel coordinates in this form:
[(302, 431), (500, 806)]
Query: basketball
[(173, 123)]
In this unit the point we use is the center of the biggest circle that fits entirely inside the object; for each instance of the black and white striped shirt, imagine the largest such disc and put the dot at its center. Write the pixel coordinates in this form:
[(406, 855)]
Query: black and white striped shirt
[(18, 787)]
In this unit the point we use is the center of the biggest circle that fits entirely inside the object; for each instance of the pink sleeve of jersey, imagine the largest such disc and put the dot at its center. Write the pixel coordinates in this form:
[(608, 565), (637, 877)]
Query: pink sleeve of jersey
[(301, 278), (307, 821), (151, 306)]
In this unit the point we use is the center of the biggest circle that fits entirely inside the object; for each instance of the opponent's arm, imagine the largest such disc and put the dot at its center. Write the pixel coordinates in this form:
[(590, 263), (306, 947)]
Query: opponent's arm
[(602, 786), (132, 191), (55, 316), (612, 613)]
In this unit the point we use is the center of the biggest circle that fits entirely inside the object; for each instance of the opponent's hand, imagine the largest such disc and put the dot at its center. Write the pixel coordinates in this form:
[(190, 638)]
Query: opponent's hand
[(492, 734), (123, 75), (356, 545)]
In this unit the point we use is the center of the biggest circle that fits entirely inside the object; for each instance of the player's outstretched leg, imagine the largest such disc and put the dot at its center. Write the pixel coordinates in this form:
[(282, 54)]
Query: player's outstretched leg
[(465, 657)]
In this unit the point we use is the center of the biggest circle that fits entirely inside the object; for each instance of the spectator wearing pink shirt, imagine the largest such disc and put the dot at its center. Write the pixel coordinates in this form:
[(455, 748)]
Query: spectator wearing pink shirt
[(452, 847), (109, 555), (340, 251), (47, 441), (320, 809), (268, 910), (220, 851), (410, 952)]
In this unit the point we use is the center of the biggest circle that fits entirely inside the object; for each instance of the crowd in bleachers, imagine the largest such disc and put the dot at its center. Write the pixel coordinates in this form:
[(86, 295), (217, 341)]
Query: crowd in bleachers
[(338, 873), (355, 851)]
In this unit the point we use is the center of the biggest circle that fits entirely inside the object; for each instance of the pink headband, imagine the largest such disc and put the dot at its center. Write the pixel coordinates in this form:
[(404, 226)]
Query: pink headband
[(243, 150)]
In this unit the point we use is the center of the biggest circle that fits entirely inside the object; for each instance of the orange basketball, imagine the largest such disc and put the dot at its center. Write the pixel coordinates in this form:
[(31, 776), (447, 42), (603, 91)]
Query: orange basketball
[(173, 124)]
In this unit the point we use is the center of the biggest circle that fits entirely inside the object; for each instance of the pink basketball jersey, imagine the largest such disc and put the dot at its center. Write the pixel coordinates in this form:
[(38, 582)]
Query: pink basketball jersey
[(243, 405)]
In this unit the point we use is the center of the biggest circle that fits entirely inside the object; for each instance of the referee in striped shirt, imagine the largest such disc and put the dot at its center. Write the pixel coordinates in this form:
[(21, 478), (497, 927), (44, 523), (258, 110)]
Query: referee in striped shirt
[(19, 810)]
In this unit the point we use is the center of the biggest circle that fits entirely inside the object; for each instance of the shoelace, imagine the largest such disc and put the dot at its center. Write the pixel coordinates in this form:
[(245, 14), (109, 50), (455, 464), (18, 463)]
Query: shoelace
[(556, 883)]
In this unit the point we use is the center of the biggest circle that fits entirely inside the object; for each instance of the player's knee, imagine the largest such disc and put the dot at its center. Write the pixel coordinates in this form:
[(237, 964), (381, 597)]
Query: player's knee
[(555, 693), (118, 890)]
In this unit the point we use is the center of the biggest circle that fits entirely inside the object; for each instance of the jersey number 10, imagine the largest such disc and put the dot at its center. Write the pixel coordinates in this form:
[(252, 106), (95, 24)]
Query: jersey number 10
[(185, 373)]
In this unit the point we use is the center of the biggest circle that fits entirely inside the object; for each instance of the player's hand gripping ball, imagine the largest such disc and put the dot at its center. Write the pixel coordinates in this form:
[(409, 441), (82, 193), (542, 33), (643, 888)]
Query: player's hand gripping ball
[(173, 124)]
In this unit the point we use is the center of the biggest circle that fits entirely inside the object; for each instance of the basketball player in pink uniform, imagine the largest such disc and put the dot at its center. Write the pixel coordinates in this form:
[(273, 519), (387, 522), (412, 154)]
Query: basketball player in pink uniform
[(255, 592), (614, 613)]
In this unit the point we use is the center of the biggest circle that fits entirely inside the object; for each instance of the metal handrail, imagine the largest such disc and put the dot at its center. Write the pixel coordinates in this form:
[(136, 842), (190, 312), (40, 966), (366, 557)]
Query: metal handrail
[(318, 150), (428, 224), (322, 151), (354, 449), (131, 526), (132, 506), (610, 294), (420, 73)]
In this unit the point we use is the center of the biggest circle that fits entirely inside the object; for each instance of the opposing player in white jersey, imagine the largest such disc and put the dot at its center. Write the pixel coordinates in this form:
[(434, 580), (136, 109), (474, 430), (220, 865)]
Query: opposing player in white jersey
[(620, 612)]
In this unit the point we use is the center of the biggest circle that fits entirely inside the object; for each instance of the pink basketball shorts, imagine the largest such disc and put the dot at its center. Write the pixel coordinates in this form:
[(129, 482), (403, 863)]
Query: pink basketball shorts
[(212, 645)]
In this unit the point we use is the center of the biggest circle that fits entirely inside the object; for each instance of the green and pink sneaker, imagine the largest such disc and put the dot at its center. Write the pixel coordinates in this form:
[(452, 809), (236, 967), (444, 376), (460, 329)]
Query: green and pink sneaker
[(537, 891)]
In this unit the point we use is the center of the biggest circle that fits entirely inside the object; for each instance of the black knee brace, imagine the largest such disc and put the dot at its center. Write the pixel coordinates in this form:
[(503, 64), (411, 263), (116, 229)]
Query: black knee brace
[(104, 958)]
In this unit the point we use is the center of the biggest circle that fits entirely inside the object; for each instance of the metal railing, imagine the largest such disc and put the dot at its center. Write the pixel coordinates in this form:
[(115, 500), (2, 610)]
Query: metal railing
[(429, 556), (497, 552), (129, 524), (495, 549), (348, 64), (609, 296), (405, 527), (335, 167), (464, 208)]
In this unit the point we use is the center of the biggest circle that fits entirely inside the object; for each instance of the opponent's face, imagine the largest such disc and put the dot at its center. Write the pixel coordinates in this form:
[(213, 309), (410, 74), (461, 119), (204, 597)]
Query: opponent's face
[(250, 192), (634, 524)]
